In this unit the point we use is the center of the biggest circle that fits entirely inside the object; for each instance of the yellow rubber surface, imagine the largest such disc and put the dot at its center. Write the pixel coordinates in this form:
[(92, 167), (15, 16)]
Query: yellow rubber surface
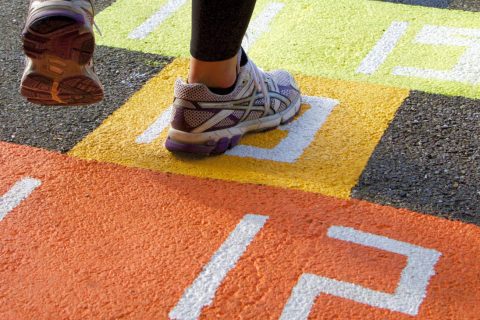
[(331, 164)]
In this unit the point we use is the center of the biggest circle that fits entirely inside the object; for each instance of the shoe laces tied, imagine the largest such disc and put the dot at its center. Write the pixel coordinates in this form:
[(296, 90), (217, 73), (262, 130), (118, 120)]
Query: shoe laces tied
[(259, 80)]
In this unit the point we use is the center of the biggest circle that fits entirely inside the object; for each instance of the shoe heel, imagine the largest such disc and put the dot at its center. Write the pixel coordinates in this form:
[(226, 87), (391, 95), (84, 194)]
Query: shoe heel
[(60, 33)]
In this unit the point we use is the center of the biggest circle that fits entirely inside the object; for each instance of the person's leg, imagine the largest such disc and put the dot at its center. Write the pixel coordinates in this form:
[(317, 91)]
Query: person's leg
[(226, 95), (58, 41), (218, 27)]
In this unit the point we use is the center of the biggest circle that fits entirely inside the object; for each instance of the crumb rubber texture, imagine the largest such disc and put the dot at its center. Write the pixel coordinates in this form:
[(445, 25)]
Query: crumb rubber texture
[(101, 241), (429, 159), (426, 3), (356, 123), (331, 40), (467, 5)]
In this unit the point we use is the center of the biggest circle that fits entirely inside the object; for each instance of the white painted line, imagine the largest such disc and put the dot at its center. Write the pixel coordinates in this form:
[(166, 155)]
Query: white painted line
[(301, 134), (17, 193), (261, 24), (156, 128), (410, 292), (202, 292), (383, 48), (157, 19)]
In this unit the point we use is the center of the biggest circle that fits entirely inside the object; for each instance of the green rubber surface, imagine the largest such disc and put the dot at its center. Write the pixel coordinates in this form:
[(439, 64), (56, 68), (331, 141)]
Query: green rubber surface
[(341, 33)]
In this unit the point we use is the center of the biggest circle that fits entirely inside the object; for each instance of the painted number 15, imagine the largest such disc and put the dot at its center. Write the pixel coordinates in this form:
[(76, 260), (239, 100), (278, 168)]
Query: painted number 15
[(466, 70)]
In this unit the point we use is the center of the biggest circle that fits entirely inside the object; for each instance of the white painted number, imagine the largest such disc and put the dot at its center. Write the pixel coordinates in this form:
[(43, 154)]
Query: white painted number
[(17, 193), (301, 134), (202, 292), (409, 294), (466, 70), (407, 298), (383, 48)]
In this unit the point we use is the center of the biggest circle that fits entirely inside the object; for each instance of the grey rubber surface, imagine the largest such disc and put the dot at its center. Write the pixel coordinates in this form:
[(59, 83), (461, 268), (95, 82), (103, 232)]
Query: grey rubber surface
[(60, 128), (426, 3), (102, 4), (467, 5), (429, 159)]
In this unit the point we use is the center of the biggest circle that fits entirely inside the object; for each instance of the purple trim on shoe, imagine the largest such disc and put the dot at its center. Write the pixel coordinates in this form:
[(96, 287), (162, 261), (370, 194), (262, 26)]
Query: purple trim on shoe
[(178, 122), (222, 146), (218, 147), (292, 117), (235, 140)]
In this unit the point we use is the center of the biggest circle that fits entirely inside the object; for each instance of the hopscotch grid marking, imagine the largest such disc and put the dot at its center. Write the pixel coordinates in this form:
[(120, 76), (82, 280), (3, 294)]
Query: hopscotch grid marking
[(261, 24), (410, 292), (202, 291), (157, 19), (383, 48), (156, 128), (20, 191)]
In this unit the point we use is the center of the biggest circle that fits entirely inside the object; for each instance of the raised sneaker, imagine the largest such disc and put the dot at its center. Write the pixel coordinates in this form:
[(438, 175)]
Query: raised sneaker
[(58, 40)]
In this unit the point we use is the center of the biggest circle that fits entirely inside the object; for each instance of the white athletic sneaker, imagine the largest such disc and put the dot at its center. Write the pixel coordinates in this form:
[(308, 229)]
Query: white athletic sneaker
[(207, 123)]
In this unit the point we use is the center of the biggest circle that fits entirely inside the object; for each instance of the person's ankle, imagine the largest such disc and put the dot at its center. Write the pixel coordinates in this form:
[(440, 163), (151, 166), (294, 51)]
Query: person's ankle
[(219, 74)]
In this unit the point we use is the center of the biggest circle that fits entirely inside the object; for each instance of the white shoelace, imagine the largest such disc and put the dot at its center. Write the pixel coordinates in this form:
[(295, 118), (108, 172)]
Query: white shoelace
[(259, 80), (98, 29)]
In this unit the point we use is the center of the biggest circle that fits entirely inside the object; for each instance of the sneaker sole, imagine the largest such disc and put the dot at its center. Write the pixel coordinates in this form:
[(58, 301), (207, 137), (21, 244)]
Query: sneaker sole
[(218, 142), (59, 46)]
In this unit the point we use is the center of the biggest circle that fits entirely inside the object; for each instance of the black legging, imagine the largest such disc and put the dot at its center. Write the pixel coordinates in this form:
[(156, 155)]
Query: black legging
[(218, 27)]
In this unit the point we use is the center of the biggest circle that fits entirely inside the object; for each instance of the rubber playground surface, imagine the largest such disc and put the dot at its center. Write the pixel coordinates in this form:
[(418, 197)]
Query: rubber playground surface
[(367, 206)]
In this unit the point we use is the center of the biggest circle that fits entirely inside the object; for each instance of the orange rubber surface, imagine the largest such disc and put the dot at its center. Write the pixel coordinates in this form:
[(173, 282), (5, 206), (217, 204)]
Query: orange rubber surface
[(106, 242)]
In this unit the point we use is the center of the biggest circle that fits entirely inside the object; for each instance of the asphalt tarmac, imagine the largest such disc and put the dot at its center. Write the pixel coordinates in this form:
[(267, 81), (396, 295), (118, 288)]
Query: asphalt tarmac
[(56, 128), (429, 159)]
